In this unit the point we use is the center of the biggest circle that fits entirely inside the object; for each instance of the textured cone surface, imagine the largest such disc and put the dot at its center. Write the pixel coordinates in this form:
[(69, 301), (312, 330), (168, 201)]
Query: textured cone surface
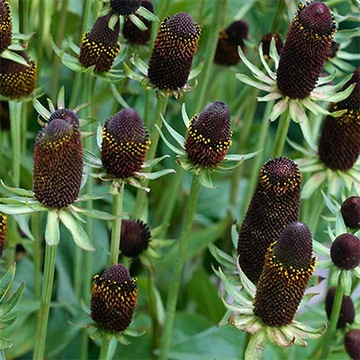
[(58, 164), (350, 211), (274, 205), (352, 343), (113, 300), (67, 115), (347, 311), (174, 49), (124, 144), (17, 80), (135, 237), (2, 232), (209, 136), (266, 41), (339, 143), (306, 48), (125, 7), (132, 33), (99, 47), (286, 273), (5, 25), (345, 251), (229, 39)]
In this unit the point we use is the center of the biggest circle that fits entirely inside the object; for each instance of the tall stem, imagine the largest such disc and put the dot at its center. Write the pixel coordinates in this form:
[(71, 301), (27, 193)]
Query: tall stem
[(282, 130), (15, 108), (49, 271), (179, 265), (37, 255)]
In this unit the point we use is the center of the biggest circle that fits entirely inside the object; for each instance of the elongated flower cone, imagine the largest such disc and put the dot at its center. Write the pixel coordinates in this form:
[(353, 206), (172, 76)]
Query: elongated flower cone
[(125, 7), (229, 39), (345, 251), (17, 80), (350, 211), (125, 142), (135, 237), (209, 135), (66, 115), (339, 143), (58, 164), (5, 25), (306, 48), (114, 296), (275, 204), (2, 232), (347, 311), (174, 49), (100, 47), (132, 33), (352, 343), (288, 267)]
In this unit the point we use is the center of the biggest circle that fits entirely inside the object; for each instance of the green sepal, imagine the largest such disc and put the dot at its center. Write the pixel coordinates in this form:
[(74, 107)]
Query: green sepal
[(17, 191), (92, 213), (145, 13), (168, 144), (221, 257), (131, 73), (45, 113), (256, 346), (205, 179), (137, 22), (10, 55), (175, 135), (140, 65), (52, 231), (12, 301), (6, 280), (156, 174), (153, 162)]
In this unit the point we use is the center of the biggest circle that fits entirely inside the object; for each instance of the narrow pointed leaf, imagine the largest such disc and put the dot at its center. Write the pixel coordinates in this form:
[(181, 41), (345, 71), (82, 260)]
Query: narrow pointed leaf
[(6, 280), (11, 302), (177, 137), (168, 144)]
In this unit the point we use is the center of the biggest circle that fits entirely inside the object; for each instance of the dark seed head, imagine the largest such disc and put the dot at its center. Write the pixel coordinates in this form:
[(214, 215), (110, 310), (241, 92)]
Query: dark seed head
[(125, 142), (125, 7), (229, 39), (333, 49), (352, 343), (266, 41), (132, 33), (209, 135), (2, 232), (5, 25), (135, 237), (350, 211), (274, 205), (114, 295), (306, 48), (288, 267), (347, 311), (58, 164), (352, 102), (17, 80), (67, 115), (345, 251), (173, 52), (100, 47)]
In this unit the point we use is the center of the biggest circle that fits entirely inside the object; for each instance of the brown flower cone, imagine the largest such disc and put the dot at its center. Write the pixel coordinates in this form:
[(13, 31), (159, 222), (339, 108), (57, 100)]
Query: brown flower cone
[(5, 25), (135, 237), (125, 7), (2, 232)]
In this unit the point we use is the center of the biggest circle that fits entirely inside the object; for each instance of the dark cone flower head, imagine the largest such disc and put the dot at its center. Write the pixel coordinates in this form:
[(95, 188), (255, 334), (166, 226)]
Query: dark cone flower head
[(132, 33), (347, 311), (266, 41), (135, 237), (350, 211), (275, 204), (100, 47), (288, 267), (352, 343), (125, 142), (17, 80), (5, 25), (174, 49), (209, 136), (229, 39), (58, 164), (125, 7), (2, 232), (306, 48), (345, 251), (339, 143), (66, 115), (114, 295)]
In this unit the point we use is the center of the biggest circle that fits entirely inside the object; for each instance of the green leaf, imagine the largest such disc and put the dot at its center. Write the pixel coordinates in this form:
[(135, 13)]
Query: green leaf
[(23, 222), (221, 257), (12, 301), (168, 144), (15, 209), (132, 74), (157, 174), (61, 98), (176, 136), (256, 346), (145, 13), (185, 116), (138, 23), (52, 231), (140, 65), (152, 162), (17, 191), (45, 113), (6, 280), (10, 55), (97, 214), (205, 179)]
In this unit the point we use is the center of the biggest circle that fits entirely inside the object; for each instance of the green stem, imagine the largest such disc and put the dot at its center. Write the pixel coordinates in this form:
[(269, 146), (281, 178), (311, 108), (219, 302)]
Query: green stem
[(23, 16), (15, 121), (279, 12), (49, 271), (282, 130), (155, 336), (37, 254), (104, 350), (179, 265)]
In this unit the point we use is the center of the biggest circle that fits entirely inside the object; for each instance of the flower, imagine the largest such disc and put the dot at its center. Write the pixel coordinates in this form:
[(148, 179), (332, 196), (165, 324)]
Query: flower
[(100, 47), (174, 48), (229, 39), (274, 205), (125, 7), (347, 311), (113, 298), (350, 211), (266, 41), (345, 251), (3, 218), (5, 25), (135, 237), (125, 142), (352, 343), (17, 80)]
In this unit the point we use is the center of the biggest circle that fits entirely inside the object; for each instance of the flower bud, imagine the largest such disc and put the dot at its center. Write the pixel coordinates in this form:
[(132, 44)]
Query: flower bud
[(350, 211), (288, 267), (345, 251), (114, 296), (125, 142), (174, 49), (209, 136), (125, 7), (352, 343), (2, 232), (5, 25), (135, 237), (306, 48), (274, 205), (100, 47)]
